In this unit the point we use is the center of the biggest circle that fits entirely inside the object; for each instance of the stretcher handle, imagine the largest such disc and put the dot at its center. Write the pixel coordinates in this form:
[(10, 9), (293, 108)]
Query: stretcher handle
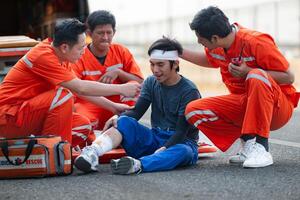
[(4, 148)]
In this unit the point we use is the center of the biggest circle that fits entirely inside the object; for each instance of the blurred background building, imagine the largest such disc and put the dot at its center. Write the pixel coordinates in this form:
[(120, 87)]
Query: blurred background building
[(140, 22)]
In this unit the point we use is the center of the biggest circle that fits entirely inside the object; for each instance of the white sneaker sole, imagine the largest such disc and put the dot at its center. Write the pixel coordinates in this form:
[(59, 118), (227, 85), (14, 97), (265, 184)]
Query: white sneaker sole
[(258, 165), (83, 165), (121, 166), (235, 162)]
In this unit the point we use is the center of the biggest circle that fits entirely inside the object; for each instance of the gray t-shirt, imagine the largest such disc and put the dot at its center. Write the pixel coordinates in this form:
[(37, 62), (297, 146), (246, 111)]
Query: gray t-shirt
[(168, 102), (167, 107)]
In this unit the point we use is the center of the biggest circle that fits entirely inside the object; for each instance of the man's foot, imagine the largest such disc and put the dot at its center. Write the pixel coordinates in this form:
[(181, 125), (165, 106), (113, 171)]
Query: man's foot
[(126, 165), (87, 161), (240, 157), (258, 157)]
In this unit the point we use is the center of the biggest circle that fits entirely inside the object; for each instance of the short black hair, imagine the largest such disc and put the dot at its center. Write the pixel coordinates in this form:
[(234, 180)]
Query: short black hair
[(67, 31), (166, 44), (101, 17), (211, 21)]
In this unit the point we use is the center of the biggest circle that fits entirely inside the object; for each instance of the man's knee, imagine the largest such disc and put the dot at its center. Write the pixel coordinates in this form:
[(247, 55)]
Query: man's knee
[(199, 109), (126, 124), (191, 107), (258, 77), (184, 149), (62, 96)]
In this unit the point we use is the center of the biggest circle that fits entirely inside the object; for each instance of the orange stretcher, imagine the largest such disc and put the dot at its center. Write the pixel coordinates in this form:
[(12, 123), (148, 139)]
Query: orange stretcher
[(118, 153)]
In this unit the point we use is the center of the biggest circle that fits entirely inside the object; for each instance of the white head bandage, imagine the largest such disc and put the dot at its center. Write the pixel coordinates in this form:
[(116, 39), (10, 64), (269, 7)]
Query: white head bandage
[(164, 55)]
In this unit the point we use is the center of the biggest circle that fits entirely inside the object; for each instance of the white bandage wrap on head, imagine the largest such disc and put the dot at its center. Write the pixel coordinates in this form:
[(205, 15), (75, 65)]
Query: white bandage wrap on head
[(164, 55)]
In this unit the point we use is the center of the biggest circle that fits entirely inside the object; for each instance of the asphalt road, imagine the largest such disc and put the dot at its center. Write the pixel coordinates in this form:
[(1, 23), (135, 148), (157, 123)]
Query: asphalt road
[(211, 178)]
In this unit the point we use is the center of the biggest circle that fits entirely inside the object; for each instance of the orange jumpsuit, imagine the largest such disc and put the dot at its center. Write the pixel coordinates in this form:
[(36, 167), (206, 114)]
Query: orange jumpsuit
[(89, 68), (31, 101), (256, 104)]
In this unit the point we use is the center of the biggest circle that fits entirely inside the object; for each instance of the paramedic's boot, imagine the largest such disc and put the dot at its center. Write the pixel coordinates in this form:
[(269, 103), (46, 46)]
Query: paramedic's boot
[(126, 165), (258, 157), (88, 160), (240, 157)]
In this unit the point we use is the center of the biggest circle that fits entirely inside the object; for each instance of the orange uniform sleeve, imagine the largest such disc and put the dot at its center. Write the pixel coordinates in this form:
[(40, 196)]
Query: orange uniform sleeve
[(211, 60), (49, 68), (267, 54), (78, 68), (130, 64)]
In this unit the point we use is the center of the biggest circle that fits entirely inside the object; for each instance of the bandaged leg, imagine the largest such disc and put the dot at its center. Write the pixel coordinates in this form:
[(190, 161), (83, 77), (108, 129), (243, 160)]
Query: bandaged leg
[(107, 141), (88, 160)]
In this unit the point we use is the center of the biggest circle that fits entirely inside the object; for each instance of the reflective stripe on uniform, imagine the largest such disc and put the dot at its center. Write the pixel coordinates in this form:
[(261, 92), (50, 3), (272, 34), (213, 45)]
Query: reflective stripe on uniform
[(199, 112), (113, 67), (27, 61), (213, 117), (57, 102), (87, 126), (91, 73), (84, 137), (205, 120), (219, 57), (263, 72), (248, 59), (259, 77)]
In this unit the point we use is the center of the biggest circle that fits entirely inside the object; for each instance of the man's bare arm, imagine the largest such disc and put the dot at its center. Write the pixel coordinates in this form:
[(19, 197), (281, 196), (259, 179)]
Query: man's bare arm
[(93, 88)]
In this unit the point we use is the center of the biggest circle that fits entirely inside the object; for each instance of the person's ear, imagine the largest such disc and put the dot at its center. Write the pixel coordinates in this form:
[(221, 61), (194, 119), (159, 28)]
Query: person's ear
[(176, 63), (89, 32), (215, 39), (64, 48)]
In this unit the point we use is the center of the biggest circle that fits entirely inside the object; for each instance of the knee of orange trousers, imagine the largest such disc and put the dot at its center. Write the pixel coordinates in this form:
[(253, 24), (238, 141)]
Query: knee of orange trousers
[(38, 119), (259, 80), (81, 130), (196, 110), (219, 131), (59, 117)]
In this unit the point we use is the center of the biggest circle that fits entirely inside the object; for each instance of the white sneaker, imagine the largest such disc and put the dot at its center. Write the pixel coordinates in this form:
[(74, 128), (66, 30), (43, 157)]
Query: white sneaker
[(258, 157), (88, 160), (240, 157), (126, 165)]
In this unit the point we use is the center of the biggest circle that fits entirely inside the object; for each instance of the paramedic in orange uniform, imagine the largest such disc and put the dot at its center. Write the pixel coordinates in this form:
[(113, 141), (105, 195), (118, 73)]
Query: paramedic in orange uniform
[(258, 78), (36, 95), (105, 62)]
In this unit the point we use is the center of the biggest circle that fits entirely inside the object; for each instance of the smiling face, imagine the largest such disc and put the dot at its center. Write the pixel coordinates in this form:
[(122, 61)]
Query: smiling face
[(102, 37), (163, 71)]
